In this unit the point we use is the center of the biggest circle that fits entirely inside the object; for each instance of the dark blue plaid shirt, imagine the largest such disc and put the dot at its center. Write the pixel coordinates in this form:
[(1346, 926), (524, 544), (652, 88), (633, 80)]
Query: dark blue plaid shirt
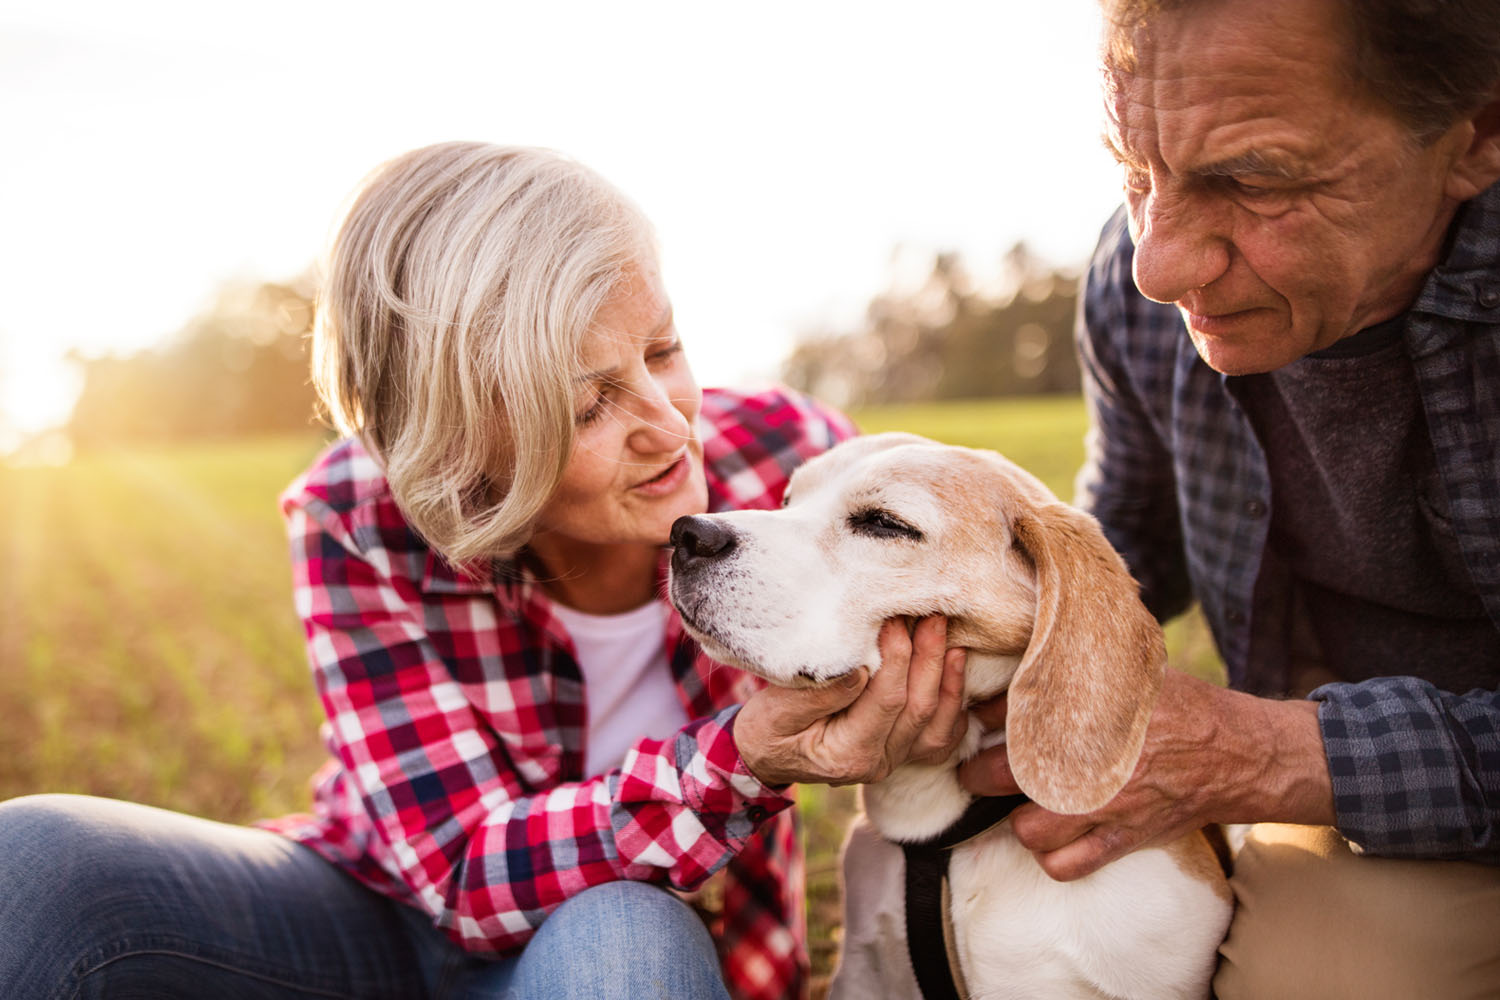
[(1178, 479)]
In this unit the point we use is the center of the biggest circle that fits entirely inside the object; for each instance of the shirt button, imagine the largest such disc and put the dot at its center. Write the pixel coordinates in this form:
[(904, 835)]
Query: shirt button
[(1255, 508), (757, 814), (1489, 298)]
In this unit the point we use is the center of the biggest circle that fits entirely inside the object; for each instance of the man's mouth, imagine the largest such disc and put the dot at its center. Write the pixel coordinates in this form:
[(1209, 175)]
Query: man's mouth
[(1212, 323)]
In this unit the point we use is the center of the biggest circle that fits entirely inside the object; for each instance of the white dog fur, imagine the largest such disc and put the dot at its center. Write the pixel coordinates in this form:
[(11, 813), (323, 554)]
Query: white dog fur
[(896, 525)]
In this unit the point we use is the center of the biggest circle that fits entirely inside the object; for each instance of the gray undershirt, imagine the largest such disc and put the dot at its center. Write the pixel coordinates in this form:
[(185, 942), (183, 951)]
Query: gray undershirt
[(1362, 576)]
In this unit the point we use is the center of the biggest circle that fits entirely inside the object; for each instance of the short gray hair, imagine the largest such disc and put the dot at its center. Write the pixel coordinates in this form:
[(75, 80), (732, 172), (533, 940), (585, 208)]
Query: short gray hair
[(1431, 62), (458, 292)]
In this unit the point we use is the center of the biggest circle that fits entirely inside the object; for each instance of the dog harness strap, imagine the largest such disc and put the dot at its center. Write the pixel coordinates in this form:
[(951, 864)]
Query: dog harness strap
[(926, 871), (926, 876)]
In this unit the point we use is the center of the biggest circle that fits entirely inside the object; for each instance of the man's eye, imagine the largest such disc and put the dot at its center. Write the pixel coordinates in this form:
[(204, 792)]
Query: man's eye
[(876, 523), (1259, 192), (1137, 180)]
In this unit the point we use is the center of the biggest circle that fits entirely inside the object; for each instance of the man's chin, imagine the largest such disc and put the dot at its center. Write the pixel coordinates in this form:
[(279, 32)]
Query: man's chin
[(1231, 357)]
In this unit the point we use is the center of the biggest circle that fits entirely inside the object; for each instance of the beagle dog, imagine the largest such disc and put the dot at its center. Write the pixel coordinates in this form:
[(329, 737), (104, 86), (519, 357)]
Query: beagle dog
[(897, 525)]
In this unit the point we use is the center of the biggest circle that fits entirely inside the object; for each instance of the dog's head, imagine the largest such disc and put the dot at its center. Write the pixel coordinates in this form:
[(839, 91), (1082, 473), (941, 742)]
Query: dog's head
[(896, 525)]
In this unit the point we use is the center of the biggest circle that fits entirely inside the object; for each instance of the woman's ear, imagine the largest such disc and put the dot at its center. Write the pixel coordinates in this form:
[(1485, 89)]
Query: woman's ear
[(1081, 698), (1477, 165)]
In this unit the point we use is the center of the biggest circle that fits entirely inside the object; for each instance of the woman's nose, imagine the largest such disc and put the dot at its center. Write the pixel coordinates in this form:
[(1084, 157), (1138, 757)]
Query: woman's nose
[(662, 422), (1177, 245)]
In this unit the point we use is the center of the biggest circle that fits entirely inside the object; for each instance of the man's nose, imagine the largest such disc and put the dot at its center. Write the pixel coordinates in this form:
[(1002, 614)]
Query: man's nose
[(1179, 245)]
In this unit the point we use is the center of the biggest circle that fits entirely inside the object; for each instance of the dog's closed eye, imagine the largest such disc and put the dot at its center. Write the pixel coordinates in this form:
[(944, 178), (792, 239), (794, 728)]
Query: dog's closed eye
[(874, 522)]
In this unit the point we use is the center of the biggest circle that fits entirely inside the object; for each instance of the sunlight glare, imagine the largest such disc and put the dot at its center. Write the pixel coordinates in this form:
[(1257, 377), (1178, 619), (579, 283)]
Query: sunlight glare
[(36, 393)]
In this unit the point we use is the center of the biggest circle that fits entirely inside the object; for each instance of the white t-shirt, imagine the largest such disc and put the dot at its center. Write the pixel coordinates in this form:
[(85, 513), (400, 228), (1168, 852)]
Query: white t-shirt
[(626, 680)]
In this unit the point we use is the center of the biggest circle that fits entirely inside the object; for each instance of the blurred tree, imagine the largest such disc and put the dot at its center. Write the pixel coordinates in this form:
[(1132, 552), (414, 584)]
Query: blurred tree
[(946, 339), (238, 368)]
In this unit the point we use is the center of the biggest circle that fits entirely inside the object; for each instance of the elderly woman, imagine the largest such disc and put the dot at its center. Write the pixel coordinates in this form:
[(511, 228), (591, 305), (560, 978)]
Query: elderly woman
[(534, 771)]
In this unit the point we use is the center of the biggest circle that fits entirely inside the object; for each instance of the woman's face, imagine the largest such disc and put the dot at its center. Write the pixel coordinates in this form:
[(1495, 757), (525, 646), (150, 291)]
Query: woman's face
[(637, 463)]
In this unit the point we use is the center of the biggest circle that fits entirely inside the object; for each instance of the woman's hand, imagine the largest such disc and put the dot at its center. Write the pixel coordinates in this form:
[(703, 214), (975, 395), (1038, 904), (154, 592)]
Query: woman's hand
[(861, 726), (1211, 755)]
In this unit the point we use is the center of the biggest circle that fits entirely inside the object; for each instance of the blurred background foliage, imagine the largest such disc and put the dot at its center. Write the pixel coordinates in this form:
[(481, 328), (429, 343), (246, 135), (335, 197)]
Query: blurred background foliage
[(240, 367), (953, 335)]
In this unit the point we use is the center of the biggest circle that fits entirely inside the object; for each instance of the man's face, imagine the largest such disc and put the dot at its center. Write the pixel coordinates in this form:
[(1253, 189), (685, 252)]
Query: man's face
[(1275, 206)]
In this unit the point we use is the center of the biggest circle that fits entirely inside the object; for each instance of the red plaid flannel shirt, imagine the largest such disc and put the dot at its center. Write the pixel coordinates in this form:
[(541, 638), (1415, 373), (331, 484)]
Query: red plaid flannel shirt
[(456, 718)]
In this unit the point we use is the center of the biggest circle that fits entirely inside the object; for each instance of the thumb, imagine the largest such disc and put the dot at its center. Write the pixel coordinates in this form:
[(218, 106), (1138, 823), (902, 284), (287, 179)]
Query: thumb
[(988, 773), (795, 709)]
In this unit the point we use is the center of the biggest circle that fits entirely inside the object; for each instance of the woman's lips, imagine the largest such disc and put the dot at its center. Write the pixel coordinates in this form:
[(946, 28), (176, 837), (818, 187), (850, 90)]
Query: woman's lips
[(667, 481)]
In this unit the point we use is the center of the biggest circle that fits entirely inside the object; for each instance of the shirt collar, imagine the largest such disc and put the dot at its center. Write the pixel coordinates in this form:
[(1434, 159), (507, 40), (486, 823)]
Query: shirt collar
[(510, 580), (1466, 285), (478, 577)]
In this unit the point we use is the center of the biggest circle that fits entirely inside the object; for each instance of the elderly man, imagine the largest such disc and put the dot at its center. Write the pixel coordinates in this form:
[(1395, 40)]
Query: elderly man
[(1291, 339)]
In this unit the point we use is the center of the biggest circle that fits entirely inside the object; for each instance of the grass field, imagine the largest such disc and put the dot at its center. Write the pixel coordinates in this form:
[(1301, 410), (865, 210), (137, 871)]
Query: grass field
[(149, 650)]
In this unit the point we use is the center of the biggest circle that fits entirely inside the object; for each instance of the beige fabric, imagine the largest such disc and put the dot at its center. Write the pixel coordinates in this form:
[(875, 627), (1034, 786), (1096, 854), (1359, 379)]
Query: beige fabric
[(873, 961), (1315, 920)]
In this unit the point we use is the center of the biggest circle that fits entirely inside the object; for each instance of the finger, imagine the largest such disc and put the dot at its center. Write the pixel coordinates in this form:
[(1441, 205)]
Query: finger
[(988, 773), (791, 710), (924, 682), (991, 713), (870, 717), (1042, 832), (950, 721), (1087, 854)]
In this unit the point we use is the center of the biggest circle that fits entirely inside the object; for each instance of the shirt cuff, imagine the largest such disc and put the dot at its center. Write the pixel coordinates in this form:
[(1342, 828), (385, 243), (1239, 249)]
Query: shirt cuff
[(1415, 770)]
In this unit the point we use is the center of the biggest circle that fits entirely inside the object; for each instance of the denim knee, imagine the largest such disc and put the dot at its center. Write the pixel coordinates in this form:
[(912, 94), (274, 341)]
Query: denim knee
[(46, 876), (621, 939)]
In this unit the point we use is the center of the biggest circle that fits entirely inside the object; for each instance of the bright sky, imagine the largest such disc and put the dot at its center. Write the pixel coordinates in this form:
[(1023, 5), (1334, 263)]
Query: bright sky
[(154, 150)]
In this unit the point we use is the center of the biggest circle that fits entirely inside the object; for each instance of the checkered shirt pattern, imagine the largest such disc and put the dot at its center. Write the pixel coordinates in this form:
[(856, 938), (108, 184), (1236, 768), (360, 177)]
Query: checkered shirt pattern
[(456, 720), (1177, 478)]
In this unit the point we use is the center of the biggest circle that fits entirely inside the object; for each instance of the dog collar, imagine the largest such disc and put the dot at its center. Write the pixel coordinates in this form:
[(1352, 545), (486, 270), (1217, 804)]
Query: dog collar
[(929, 936)]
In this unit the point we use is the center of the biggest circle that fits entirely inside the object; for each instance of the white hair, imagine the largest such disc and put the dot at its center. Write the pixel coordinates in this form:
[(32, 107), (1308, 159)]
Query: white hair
[(458, 293)]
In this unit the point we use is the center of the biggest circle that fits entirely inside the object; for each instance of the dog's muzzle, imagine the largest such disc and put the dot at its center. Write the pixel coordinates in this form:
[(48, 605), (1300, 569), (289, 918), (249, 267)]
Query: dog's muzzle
[(697, 540)]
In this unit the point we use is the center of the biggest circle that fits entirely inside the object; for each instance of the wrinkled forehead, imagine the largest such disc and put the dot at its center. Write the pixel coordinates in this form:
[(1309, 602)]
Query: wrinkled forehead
[(1211, 50)]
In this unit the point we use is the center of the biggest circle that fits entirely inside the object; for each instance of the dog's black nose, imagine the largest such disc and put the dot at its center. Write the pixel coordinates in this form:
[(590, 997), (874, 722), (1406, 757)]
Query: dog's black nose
[(696, 537)]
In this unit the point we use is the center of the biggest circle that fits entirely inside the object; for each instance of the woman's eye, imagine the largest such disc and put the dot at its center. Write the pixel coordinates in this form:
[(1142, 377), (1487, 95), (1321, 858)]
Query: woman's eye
[(665, 355), (592, 414)]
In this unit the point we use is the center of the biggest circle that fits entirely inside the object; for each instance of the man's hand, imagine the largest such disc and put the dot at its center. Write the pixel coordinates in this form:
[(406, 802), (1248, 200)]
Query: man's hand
[(860, 727), (1211, 755)]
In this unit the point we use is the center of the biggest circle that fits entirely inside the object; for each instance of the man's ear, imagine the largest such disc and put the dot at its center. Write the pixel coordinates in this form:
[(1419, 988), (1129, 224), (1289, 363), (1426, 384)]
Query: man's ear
[(1478, 164)]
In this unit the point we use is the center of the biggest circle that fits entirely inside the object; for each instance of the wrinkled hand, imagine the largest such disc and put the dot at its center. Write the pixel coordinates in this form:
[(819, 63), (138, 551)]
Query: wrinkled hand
[(1211, 755), (861, 726)]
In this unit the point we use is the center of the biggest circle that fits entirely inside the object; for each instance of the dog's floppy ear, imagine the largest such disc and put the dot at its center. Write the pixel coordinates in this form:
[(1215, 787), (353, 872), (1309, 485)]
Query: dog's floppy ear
[(1080, 700)]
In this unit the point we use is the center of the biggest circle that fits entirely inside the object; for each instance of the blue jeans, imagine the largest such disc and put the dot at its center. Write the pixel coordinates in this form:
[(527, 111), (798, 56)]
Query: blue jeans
[(100, 898)]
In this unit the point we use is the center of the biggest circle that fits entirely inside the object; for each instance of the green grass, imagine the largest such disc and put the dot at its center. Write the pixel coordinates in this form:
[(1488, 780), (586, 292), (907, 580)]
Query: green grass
[(149, 649), (1043, 434)]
